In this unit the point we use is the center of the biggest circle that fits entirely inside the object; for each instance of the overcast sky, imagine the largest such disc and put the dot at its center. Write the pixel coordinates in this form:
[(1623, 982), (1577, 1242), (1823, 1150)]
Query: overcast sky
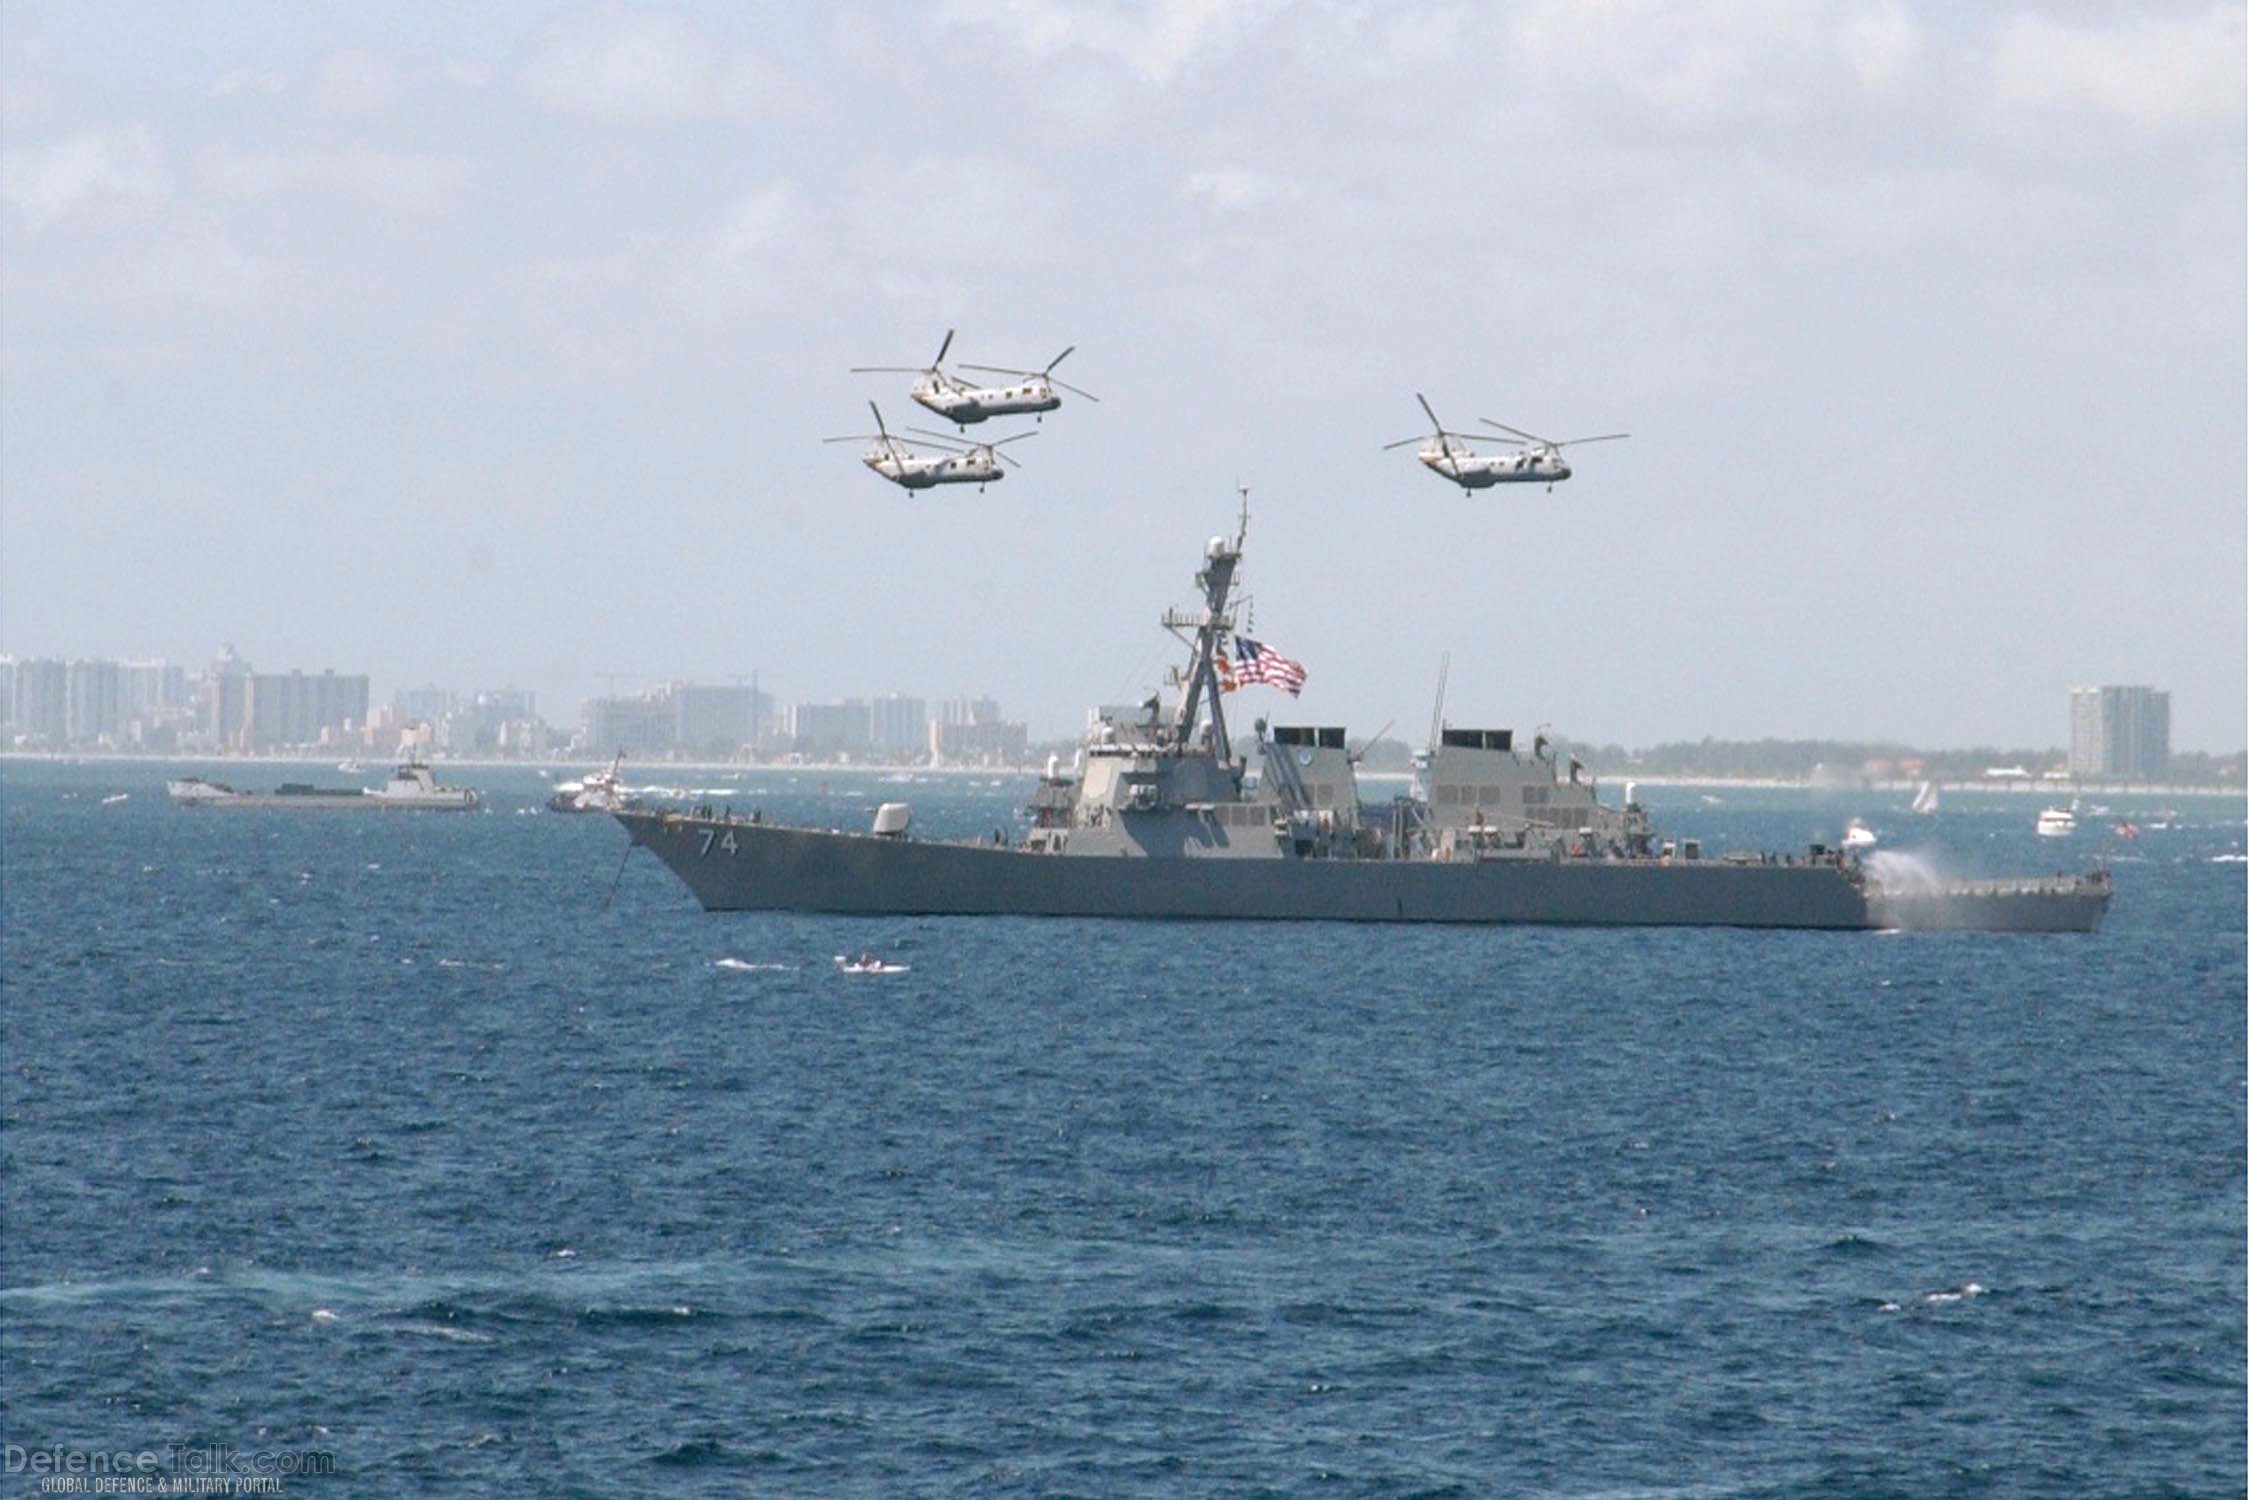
[(493, 344)]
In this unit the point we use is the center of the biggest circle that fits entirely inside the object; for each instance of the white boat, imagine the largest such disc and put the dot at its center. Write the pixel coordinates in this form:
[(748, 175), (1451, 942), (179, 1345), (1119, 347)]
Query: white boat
[(867, 963), (1925, 800), (598, 792), (2056, 823), (1855, 835)]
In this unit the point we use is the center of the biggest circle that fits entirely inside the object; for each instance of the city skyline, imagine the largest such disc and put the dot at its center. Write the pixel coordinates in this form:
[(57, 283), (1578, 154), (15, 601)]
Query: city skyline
[(500, 343), (2104, 729)]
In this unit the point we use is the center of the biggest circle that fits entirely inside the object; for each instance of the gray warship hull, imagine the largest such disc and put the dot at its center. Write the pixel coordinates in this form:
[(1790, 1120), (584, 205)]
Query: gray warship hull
[(734, 864)]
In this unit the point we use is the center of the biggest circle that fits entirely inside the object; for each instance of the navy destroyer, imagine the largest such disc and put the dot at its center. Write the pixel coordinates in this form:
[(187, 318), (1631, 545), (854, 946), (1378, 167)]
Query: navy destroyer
[(1160, 818)]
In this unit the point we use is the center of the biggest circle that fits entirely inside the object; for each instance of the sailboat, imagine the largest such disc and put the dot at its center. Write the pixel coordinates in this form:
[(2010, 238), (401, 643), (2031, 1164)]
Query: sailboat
[(1924, 801)]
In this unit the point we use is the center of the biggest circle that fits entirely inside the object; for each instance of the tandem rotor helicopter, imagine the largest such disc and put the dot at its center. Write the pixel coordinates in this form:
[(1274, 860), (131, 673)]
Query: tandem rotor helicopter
[(953, 462), (960, 402), (1535, 460)]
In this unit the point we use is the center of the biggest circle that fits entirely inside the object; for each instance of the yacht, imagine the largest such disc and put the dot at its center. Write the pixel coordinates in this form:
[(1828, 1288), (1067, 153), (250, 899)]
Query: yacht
[(2056, 823)]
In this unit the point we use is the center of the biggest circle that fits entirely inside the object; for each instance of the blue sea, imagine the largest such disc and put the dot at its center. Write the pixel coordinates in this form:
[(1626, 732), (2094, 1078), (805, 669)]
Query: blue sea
[(477, 1158)]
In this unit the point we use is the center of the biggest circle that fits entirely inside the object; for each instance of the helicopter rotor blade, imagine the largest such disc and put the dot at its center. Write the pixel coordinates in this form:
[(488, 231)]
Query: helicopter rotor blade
[(941, 348), (1518, 432), (899, 453), (1401, 442), (1006, 458), (1018, 437), (999, 370), (1057, 359), (889, 370), (854, 437), (1605, 437), (1063, 385), (1433, 419), (943, 440)]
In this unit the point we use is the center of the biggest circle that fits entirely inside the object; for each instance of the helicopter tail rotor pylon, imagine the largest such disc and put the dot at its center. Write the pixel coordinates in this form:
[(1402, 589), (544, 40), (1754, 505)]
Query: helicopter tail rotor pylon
[(1047, 374)]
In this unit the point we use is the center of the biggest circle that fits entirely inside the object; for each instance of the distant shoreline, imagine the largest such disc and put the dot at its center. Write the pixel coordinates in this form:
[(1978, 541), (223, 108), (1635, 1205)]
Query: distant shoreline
[(1971, 786), (486, 763)]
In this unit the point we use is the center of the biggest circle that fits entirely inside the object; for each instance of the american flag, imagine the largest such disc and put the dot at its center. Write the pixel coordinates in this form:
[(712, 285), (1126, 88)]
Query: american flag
[(1255, 662)]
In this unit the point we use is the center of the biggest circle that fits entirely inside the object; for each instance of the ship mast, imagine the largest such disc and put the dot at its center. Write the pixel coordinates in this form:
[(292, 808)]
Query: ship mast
[(1216, 582)]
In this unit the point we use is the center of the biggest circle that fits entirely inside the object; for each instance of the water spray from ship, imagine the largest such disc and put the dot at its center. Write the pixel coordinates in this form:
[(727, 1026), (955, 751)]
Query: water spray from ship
[(1910, 872)]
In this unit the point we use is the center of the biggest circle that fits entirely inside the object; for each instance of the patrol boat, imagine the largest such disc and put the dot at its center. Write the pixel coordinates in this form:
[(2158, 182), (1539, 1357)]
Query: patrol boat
[(1159, 818)]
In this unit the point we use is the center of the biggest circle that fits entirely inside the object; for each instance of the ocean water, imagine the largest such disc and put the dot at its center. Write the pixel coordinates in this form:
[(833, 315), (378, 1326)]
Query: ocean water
[(460, 1150)]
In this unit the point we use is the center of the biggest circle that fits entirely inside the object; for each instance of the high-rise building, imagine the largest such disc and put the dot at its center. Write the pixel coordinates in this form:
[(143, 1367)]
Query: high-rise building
[(2121, 732), (985, 742), (296, 708), (94, 711), (826, 730), (715, 719), (969, 711), (422, 705), (146, 686), (479, 725), (40, 705), (226, 699), (898, 727), (640, 726)]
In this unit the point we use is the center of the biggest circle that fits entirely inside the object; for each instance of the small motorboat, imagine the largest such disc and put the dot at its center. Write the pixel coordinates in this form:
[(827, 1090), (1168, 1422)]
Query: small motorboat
[(2056, 823), (867, 963), (1855, 835), (597, 792)]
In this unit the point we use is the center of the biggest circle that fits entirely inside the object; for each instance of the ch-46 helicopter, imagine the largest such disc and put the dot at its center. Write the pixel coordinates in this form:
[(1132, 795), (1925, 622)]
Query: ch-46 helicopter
[(956, 400), (954, 463), (1447, 453)]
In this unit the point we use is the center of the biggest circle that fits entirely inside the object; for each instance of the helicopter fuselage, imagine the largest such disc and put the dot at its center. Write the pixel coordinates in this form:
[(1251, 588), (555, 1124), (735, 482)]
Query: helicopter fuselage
[(920, 471), (965, 404), (1479, 471)]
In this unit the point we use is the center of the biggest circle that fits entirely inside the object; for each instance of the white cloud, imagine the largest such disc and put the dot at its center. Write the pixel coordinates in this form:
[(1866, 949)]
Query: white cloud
[(239, 82), (733, 265), (1157, 39), (1231, 189), (1879, 44), (400, 181), (2151, 71), (1760, 60), (46, 184), (352, 83), (929, 213), (644, 67), (196, 265)]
